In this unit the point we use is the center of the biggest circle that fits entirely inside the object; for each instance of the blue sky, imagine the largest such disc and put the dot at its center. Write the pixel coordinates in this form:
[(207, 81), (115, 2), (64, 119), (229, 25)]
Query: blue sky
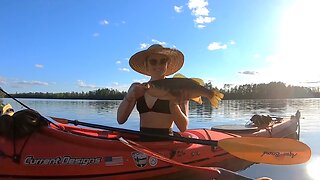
[(82, 45)]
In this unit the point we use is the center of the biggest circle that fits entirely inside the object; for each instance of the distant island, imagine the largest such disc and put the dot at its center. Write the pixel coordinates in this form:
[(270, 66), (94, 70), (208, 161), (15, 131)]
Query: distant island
[(272, 90)]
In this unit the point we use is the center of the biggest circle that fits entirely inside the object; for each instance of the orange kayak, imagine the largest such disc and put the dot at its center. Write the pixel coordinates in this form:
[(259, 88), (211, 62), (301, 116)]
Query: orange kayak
[(66, 151)]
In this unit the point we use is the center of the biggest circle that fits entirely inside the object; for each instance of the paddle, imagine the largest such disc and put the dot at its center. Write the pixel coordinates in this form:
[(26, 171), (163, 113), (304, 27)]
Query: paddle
[(263, 150), (217, 173), (280, 151)]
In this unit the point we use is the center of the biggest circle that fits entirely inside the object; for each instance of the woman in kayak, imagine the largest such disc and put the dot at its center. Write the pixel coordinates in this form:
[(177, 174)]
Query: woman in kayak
[(156, 115)]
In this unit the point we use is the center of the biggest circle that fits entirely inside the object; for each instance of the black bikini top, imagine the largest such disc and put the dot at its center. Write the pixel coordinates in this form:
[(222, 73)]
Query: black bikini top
[(160, 106)]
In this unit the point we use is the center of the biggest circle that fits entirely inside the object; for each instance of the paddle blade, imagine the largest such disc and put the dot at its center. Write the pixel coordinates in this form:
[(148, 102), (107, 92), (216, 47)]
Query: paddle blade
[(279, 151), (60, 120)]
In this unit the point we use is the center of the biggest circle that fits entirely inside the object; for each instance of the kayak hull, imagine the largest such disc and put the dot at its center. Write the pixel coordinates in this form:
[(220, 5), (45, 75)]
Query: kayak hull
[(71, 152), (51, 153)]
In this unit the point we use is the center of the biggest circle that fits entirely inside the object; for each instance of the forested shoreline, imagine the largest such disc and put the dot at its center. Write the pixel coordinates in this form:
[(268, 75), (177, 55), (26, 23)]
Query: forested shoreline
[(272, 90)]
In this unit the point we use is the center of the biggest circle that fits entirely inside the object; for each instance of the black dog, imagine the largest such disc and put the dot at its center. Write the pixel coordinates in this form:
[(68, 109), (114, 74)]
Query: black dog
[(21, 124), (261, 121)]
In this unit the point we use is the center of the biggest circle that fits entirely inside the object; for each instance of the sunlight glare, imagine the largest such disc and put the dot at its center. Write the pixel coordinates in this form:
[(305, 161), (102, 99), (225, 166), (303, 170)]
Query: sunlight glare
[(313, 168), (298, 54)]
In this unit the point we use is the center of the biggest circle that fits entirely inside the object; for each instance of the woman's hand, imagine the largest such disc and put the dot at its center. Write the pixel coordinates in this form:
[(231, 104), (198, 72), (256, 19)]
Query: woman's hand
[(135, 91)]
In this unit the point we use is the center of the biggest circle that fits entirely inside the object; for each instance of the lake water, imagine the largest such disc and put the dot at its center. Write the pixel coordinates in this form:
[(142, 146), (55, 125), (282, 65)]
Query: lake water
[(203, 116)]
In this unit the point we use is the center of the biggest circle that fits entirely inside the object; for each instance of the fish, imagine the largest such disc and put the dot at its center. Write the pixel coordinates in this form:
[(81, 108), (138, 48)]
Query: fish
[(179, 88)]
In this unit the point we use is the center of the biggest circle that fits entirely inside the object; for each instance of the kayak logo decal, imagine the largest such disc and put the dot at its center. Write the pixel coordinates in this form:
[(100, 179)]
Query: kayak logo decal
[(279, 154), (140, 159), (62, 160), (153, 161)]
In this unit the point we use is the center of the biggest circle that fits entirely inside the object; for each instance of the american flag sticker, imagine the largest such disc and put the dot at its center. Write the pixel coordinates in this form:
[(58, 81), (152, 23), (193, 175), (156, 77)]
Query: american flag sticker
[(113, 161)]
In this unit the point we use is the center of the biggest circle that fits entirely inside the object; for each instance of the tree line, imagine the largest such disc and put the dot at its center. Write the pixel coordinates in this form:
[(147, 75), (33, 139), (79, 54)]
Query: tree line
[(100, 94), (272, 90)]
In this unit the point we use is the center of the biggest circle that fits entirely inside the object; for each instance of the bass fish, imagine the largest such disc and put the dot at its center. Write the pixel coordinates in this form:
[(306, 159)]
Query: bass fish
[(180, 88)]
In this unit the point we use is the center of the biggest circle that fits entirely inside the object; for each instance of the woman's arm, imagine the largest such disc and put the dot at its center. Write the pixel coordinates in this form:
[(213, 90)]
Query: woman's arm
[(125, 108), (184, 106), (180, 115)]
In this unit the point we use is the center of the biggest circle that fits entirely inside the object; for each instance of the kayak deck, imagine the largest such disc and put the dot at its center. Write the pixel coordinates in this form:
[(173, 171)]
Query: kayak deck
[(96, 154), (66, 151)]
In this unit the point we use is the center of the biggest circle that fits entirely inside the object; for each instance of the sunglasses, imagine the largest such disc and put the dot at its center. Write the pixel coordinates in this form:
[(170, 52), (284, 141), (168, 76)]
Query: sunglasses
[(155, 62)]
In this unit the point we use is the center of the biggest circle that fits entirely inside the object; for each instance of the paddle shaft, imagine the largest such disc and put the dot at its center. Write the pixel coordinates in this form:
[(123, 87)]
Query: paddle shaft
[(14, 99), (175, 138)]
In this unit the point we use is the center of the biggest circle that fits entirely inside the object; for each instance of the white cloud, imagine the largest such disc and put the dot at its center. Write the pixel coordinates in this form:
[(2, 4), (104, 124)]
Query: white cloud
[(159, 42), (118, 62), (232, 42), (154, 41), (143, 45), (114, 85), (216, 46), (124, 69), (200, 10), (16, 83), (204, 20), (200, 26), (104, 22), (30, 83), (178, 9), (248, 72), (194, 4), (39, 65), (82, 84)]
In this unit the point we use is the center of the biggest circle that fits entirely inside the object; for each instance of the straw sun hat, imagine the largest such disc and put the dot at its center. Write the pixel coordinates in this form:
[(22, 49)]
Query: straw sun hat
[(175, 59)]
